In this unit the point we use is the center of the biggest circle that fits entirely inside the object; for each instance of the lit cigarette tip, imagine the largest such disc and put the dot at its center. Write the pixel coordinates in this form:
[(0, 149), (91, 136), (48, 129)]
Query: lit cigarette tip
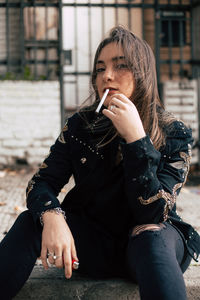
[(102, 100)]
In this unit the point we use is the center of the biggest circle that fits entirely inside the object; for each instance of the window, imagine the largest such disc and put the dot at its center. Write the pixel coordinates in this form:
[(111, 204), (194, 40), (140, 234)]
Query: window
[(173, 29)]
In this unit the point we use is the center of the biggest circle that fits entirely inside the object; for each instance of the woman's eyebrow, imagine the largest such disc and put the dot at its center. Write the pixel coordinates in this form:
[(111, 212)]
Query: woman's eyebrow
[(116, 58), (100, 62)]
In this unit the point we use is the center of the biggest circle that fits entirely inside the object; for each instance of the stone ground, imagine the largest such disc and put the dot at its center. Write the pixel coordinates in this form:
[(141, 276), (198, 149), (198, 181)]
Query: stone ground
[(13, 183)]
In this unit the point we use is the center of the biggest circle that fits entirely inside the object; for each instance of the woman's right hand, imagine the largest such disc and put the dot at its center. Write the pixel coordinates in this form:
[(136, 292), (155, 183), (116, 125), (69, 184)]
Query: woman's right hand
[(57, 240)]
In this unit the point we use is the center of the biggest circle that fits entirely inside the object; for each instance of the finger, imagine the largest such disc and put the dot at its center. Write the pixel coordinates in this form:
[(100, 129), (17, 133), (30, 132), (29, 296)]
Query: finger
[(113, 108), (74, 253), (51, 258), (43, 257), (59, 260), (67, 263), (121, 97), (109, 114), (75, 260), (118, 103)]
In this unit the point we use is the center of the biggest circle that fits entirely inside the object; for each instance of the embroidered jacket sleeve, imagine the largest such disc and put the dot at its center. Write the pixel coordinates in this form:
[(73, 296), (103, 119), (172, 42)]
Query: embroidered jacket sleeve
[(153, 179), (53, 174)]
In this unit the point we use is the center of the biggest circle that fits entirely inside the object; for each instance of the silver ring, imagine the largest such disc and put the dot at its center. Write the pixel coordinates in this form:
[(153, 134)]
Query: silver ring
[(111, 107), (56, 256), (53, 255), (75, 265)]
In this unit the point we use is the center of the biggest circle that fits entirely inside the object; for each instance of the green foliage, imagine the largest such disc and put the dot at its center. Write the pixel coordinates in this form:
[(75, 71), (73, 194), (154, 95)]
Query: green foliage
[(25, 75)]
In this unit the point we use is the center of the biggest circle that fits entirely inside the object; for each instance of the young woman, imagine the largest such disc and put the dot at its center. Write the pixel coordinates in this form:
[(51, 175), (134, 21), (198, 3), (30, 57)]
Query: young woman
[(129, 162)]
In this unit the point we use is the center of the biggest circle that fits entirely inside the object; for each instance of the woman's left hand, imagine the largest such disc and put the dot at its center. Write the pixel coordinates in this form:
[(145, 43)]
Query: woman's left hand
[(125, 117)]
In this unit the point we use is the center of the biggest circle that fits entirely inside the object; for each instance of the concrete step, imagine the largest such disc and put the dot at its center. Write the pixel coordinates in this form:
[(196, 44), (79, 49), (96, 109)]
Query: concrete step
[(51, 284)]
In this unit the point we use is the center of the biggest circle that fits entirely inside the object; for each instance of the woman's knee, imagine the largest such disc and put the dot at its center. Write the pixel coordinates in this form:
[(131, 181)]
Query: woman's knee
[(147, 242), (25, 224), (138, 229), (24, 216)]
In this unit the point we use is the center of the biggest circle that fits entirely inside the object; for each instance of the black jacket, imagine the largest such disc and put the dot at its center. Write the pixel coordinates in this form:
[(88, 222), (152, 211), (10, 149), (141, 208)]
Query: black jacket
[(119, 185)]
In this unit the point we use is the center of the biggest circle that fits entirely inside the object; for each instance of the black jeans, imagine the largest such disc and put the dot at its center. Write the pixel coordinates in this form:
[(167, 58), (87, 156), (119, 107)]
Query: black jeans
[(152, 258)]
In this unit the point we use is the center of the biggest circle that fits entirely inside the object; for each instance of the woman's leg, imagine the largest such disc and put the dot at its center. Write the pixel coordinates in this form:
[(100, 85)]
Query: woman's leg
[(18, 252), (154, 258)]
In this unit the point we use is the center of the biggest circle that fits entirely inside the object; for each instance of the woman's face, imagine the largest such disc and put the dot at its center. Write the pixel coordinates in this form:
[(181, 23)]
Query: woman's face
[(113, 73)]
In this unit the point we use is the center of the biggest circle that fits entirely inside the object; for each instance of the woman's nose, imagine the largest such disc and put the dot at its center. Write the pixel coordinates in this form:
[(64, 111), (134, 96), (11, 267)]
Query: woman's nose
[(108, 74)]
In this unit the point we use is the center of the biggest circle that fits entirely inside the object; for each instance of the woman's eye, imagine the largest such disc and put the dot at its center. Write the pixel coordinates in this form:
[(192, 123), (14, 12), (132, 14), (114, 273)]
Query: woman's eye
[(99, 70), (122, 66)]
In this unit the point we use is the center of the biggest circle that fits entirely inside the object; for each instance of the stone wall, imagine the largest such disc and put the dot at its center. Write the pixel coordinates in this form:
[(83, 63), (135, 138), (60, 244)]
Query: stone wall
[(29, 120)]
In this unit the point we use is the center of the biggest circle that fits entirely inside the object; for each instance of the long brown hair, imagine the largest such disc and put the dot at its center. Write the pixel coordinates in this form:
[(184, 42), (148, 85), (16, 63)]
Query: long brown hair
[(140, 60)]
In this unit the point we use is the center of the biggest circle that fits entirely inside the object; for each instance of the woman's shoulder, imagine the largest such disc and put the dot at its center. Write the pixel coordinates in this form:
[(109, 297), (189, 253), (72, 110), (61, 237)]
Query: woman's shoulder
[(178, 129), (73, 122)]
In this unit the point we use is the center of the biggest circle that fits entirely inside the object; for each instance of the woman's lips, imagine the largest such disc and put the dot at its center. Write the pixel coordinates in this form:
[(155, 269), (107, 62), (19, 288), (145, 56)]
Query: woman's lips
[(112, 91)]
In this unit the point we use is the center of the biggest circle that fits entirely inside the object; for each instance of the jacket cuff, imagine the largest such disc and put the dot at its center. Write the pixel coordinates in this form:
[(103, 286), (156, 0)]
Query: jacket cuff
[(138, 149), (42, 203)]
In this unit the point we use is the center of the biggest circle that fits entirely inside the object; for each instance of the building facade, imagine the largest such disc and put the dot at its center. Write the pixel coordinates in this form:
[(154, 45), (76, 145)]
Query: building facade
[(56, 41)]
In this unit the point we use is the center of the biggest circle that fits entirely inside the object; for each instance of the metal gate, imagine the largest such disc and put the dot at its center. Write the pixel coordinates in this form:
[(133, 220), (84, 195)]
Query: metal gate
[(168, 26), (66, 50)]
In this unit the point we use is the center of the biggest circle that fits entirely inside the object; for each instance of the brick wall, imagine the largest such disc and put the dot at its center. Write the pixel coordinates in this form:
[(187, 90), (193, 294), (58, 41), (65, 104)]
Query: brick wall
[(29, 120)]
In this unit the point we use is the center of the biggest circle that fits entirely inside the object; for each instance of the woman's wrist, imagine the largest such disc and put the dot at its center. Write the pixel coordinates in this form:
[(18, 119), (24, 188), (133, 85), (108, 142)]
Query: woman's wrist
[(56, 210), (130, 139)]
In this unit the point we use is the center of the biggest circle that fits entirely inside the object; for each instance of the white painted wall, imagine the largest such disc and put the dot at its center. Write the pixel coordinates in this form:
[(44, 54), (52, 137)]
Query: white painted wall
[(29, 120), (181, 98)]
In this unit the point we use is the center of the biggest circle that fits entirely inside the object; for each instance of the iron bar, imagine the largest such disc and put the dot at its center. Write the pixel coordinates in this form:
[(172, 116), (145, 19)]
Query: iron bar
[(132, 5), (170, 6), (129, 16), (116, 12), (35, 32), (103, 20), (170, 48), (27, 4), (47, 42), (7, 37), (143, 10), (192, 39), (61, 75), (157, 42), (90, 38), (22, 54), (76, 53), (181, 43)]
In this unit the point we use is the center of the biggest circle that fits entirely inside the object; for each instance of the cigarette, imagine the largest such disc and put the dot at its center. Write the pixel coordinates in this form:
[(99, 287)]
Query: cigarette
[(102, 100)]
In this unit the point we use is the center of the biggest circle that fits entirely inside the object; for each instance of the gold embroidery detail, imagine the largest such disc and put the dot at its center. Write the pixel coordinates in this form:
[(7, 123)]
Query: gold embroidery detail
[(190, 150), (169, 198), (61, 136), (37, 174), (179, 164), (43, 166), (30, 187), (186, 157)]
